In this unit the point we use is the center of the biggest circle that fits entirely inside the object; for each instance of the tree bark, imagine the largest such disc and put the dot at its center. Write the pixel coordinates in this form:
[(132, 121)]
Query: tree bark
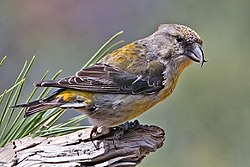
[(76, 149)]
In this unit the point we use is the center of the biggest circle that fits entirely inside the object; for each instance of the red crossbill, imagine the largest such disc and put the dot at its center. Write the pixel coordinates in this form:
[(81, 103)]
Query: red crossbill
[(128, 81)]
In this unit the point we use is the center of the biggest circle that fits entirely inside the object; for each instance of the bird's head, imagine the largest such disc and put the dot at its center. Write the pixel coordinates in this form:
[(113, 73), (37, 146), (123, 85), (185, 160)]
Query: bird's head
[(178, 43)]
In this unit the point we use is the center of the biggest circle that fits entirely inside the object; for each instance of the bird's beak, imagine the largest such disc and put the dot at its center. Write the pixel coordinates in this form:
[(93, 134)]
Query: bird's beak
[(196, 54)]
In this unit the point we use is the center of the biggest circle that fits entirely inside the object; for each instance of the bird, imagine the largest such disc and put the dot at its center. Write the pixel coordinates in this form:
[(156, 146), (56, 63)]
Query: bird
[(128, 81)]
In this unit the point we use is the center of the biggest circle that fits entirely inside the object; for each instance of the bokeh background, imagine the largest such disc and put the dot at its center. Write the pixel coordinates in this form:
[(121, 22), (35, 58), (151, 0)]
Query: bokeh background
[(206, 119)]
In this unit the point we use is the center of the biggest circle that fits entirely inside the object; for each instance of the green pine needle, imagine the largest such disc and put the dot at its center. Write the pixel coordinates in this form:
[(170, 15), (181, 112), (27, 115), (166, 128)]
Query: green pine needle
[(1, 62)]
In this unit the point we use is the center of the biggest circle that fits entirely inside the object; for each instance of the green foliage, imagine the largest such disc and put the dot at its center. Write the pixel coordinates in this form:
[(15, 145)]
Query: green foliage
[(12, 123)]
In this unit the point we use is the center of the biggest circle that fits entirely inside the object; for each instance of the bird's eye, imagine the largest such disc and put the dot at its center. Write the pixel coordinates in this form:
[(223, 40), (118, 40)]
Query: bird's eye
[(179, 39)]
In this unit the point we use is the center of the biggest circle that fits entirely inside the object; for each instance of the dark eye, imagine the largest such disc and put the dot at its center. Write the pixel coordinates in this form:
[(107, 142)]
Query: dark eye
[(179, 39)]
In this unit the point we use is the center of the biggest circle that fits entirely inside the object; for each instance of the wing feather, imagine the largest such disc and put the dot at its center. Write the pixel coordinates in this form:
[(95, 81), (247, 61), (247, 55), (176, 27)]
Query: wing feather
[(106, 79)]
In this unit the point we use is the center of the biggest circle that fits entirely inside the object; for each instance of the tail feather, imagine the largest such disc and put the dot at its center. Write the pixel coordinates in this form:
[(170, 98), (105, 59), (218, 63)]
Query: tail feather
[(40, 105), (35, 106), (72, 100)]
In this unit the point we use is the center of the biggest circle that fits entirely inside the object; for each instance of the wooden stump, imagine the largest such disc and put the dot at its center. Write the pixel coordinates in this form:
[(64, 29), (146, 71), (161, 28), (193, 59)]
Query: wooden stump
[(76, 149)]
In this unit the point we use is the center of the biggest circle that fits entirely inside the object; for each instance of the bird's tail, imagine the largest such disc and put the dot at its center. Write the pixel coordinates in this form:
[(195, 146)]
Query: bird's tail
[(40, 105)]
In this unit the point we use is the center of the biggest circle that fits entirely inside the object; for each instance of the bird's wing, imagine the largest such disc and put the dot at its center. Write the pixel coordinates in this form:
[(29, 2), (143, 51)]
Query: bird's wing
[(103, 78)]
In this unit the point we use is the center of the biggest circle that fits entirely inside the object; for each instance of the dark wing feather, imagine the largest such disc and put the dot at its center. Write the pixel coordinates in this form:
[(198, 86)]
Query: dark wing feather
[(103, 78)]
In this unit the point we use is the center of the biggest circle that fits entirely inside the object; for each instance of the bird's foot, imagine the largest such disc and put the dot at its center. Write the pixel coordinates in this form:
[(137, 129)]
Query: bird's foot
[(119, 131), (123, 128)]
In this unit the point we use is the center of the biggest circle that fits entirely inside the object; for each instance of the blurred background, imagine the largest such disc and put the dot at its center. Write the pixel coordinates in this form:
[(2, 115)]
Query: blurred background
[(206, 120)]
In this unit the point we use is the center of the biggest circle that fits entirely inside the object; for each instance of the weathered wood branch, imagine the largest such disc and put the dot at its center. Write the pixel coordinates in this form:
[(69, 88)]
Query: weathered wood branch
[(76, 149)]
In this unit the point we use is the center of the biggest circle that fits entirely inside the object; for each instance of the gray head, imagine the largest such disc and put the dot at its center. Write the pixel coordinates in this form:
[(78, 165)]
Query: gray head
[(177, 42)]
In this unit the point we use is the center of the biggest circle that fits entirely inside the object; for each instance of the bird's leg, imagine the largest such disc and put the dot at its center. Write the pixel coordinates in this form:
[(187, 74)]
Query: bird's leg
[(97, 132), (93, 132), (123, 128)]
